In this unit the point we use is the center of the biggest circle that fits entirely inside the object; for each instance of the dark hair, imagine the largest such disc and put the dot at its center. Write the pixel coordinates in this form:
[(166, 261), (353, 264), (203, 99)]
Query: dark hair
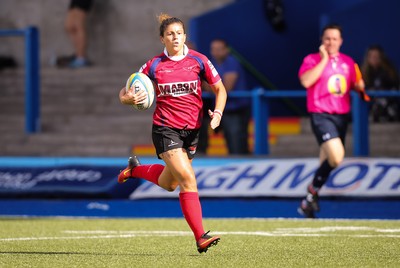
[(332, 26), (376, 47), (223, 41), (165, 20), (386, 65)]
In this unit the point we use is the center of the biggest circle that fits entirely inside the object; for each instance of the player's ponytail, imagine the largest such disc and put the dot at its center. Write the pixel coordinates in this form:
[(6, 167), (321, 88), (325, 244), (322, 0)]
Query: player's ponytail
[(162, 17), (165, 20)]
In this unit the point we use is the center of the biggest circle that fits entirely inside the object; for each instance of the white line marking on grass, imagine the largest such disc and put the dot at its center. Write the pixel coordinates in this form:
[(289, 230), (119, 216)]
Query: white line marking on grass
[(180, 233), (389, 230), (375, 236), (128, 232), (335, 229), (279, 232)]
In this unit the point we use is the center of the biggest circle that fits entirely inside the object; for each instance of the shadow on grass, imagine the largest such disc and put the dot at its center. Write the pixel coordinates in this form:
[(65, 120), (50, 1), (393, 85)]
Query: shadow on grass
[(75, 253), (85, 253)]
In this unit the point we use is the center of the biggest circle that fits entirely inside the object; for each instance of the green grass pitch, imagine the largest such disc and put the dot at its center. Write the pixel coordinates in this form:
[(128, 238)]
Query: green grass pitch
[(78, 242)]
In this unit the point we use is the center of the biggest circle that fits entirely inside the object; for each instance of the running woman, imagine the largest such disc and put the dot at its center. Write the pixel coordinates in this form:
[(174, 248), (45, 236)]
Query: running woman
[(177, 75), (328, 77)]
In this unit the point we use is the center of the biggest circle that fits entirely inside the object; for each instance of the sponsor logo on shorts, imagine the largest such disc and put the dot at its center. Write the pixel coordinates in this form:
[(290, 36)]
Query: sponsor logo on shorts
[(326, 136), (172, 143), (192, 150)]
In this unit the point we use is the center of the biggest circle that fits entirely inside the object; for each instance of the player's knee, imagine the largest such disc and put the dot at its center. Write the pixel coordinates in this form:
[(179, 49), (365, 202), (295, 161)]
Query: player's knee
[(188, 185), (334, 162), (70, 28), (170, 188)]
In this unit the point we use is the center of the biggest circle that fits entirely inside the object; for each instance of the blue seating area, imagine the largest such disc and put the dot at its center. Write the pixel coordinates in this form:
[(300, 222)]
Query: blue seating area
[(278, 55)]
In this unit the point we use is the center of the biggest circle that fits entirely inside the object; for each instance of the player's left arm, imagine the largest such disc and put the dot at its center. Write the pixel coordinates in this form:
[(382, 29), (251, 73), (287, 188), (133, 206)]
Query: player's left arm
[(220, 101)]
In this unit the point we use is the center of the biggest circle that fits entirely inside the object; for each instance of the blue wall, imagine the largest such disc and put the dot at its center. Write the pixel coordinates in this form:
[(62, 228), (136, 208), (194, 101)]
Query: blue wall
[(212, 208), (370, 22), (278, 55)]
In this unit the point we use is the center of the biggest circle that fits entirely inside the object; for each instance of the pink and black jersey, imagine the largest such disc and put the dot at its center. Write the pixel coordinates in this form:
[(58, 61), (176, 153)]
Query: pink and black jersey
[(331, 92), (178, 87)]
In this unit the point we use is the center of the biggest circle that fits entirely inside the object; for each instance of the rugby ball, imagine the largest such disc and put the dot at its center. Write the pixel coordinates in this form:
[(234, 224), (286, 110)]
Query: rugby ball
[(139, 81)]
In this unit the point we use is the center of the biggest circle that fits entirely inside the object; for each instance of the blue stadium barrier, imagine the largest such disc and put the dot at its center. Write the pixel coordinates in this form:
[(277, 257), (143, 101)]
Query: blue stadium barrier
[(32, 78), (260, 111), (212, 208)]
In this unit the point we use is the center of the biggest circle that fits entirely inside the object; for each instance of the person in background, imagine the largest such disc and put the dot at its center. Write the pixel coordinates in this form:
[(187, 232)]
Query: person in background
[(75, 26), (237, 111), (328, 77), (176, 121), (208, 103), (380, 74)]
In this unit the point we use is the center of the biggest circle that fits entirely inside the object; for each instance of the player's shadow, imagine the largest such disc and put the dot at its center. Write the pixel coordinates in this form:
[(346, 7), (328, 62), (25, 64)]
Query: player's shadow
[(85, 253), (75, 253)]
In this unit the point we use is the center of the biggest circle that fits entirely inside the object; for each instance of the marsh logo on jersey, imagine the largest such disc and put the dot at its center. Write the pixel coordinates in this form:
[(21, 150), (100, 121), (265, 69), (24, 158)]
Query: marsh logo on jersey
[(177, 89), (213, 70)]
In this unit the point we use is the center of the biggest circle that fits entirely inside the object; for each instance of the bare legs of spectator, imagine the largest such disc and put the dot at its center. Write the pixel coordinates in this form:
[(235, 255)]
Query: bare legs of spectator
[(75, 26)]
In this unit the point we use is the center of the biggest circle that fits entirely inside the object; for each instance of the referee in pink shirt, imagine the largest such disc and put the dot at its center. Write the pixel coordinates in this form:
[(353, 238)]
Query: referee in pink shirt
[(328, 77)]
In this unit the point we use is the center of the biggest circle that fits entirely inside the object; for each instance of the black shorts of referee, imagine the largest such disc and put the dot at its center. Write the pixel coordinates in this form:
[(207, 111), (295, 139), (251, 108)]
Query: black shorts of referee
[(328, 126)]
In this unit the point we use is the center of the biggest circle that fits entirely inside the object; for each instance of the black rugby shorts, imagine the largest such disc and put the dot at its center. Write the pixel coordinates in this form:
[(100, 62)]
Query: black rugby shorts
[(328, 126), (166, 138)]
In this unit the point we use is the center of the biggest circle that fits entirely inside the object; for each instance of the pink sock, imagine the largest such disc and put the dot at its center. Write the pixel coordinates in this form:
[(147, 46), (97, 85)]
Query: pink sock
[(150, 173), (191, 208)]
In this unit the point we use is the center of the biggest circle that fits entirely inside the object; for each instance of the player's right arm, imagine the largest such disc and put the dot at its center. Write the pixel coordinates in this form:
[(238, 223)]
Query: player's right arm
[(308, 78), (129, 98)]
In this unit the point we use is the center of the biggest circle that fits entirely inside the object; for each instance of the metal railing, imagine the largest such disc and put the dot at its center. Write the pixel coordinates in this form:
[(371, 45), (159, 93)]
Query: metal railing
[(260, 100), (260, 113), (32, 78)]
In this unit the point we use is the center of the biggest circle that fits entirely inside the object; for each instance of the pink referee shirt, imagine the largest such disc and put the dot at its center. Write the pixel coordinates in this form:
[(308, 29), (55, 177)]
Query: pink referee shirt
[(178, 87), (331, 92)]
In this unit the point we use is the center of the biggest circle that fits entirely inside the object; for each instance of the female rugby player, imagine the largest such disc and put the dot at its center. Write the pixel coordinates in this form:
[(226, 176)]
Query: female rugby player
[(177, 75)]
